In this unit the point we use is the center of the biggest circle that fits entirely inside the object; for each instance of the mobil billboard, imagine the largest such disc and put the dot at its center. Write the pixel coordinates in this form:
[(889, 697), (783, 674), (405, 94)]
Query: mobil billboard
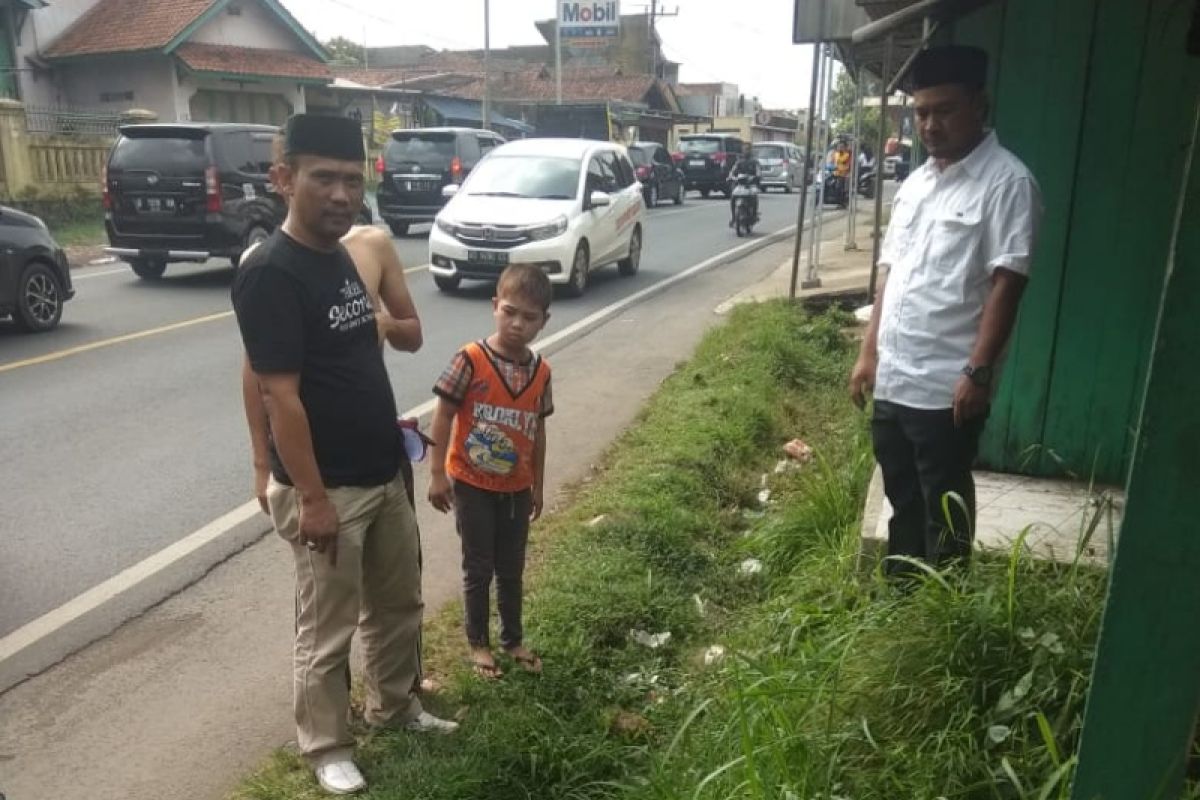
[(588, 20)]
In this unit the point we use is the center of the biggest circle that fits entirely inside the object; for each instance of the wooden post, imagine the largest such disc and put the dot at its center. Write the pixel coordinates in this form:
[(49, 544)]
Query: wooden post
[(1145, 689)]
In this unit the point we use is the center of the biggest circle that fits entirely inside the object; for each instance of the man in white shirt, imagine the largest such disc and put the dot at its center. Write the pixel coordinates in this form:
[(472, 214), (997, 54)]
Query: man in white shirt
[(957, 255)]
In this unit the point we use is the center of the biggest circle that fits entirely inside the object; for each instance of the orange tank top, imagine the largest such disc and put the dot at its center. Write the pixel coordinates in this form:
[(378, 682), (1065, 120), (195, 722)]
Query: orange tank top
[(495, 429)]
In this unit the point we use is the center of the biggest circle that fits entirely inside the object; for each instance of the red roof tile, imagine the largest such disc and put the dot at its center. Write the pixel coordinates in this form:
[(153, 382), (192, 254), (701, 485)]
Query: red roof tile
[(251, 61), (538, 83), (123, 26)]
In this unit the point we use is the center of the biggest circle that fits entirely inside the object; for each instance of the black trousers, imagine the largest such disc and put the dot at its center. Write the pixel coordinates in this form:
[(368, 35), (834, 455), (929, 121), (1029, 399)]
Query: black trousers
[(494, 528), (925, 460)]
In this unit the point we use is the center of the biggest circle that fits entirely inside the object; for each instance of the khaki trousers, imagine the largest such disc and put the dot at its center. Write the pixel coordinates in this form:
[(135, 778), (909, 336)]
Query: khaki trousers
[(376, 589)]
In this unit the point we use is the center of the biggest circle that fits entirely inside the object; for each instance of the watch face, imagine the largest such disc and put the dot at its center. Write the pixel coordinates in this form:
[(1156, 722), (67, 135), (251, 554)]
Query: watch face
[(982, 376)]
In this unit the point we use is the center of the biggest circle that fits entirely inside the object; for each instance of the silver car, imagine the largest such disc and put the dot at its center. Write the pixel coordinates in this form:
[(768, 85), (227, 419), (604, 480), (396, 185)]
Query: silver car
[(781, 164)]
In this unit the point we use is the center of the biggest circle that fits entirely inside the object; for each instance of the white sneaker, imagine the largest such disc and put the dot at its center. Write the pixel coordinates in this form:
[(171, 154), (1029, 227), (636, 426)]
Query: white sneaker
[(428, 723), (340, 777)]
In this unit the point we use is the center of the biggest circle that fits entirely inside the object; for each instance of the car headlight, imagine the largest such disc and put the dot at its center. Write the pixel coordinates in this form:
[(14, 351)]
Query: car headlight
[(448, 228), (548, 231)]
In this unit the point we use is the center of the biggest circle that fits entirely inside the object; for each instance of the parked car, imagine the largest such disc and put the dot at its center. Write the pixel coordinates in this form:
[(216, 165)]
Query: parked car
[(418, 163), (569, 206), (656, 171), (35, 278), (191, 192), (781, 164), (706, 159), (188, 192)]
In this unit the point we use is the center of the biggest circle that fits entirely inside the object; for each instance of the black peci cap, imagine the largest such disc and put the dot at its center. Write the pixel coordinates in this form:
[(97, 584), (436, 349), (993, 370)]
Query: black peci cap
[(325, 136), (950, 64)]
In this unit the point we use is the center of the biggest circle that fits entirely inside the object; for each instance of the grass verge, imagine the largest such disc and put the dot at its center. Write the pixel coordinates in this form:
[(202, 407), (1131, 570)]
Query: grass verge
[(788, 673)]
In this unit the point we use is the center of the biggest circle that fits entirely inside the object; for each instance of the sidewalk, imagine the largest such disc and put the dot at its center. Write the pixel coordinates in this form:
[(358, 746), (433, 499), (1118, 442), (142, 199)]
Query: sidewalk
[(842, 272)]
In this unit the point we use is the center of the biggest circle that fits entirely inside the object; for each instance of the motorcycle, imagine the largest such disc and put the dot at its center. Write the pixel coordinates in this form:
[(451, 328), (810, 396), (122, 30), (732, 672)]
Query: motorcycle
[(866, 182), (833, 190), (745, 204)]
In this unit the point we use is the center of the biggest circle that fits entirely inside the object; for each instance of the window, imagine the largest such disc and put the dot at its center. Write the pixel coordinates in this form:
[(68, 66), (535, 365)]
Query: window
[(540, 177), (468, 149), (621, 169), (116, 97), (599, 177), (260, 151), (486, 145)]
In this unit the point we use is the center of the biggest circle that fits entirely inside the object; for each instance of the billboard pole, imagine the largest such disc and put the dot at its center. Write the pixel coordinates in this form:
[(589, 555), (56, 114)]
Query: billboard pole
[(486, 122), (812, 121), (557, 52)]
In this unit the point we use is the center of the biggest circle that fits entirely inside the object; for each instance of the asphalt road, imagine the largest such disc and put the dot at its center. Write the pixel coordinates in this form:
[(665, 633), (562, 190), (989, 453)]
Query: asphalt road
[(122, 430)]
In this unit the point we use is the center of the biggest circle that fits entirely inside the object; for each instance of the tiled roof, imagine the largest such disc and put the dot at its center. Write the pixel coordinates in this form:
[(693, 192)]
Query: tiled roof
[(578, 84), (124, 26), (251, 61)]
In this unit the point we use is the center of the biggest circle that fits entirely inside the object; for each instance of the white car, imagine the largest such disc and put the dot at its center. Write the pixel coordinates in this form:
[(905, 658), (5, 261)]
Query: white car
[(569, 206)]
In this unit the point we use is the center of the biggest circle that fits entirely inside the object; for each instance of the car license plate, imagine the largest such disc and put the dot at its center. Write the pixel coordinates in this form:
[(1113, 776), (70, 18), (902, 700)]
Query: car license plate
[(155, 205), (696, 162), (416, 186), (488, 257)]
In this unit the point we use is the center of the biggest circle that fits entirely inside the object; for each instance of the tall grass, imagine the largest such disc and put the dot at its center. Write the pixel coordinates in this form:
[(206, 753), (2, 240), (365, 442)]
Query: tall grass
[(833, 684)]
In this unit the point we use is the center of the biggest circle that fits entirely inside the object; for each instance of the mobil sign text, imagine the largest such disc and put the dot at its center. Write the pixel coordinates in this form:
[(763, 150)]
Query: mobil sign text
[(585, 20)]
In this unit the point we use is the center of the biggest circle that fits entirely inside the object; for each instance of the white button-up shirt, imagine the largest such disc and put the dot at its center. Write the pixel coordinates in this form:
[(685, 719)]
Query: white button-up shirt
[(950, 229)]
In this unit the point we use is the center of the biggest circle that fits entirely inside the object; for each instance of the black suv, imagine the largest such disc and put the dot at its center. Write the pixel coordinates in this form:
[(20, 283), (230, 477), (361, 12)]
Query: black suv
[(189, 192), (418, 162), (35, 279), (707, 158)]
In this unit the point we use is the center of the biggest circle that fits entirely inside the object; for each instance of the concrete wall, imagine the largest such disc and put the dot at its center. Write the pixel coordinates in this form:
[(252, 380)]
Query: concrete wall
[(42, 26), (256, 26), (103, 85)]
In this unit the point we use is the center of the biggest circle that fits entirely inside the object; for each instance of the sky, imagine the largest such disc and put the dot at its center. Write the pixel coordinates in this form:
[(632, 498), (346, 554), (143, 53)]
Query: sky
[(753, 50)]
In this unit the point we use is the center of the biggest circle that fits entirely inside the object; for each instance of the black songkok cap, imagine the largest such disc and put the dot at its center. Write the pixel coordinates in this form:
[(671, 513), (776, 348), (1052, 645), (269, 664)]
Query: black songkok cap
[(951, 64), (328, 137)]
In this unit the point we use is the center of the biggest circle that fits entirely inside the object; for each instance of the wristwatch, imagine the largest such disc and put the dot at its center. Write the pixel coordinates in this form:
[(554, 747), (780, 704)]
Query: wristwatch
[(980, 375)]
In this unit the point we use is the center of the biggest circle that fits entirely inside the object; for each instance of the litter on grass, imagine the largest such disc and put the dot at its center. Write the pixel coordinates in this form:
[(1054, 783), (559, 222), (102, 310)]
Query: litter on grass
[(714, 655), (751, 566), (798, 450), (651, 640)]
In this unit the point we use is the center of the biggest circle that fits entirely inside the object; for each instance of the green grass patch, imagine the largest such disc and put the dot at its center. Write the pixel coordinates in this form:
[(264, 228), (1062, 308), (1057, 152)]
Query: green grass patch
[(832, 683), (79, 232)]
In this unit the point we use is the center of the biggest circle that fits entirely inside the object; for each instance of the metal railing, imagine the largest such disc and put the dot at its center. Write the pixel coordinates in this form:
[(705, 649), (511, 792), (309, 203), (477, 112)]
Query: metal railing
[(71, 121)]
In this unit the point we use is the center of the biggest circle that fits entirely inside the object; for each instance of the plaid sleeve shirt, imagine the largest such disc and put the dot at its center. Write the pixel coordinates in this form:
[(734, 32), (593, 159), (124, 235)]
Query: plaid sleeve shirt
[(455, 380)]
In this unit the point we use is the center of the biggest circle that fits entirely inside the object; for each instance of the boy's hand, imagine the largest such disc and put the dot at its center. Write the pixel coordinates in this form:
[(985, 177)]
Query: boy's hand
[(537, 505), (441, 493)]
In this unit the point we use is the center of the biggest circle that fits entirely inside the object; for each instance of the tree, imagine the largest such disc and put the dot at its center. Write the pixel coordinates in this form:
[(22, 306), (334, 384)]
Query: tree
[(346, 52)]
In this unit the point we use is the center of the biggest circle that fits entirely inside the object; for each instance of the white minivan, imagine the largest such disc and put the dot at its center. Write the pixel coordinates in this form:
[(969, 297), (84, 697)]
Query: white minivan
[(569, 206)]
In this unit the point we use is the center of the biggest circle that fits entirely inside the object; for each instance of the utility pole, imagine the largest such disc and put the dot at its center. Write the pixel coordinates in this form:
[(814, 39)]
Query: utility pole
[(557, 53), (654, 14), (486, 117)]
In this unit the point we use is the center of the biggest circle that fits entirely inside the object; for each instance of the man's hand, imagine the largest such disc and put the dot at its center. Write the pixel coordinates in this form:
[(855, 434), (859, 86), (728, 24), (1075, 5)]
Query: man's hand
[(441, 493), (970, 401), (862, 379), (537, 505), (383, 325), (262, 477), (319, 526)]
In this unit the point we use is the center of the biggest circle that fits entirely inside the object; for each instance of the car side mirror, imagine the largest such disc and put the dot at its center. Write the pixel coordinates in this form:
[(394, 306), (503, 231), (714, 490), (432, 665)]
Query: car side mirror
[(449, 190), (599, 199)]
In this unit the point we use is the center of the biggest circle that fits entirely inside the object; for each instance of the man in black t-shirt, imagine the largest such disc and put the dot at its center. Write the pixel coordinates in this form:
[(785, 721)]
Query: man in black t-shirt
[(309, 329)]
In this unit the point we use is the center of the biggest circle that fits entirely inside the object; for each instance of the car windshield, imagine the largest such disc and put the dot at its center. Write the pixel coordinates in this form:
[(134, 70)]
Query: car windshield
[(768, 152), (639, 157), (420, 147), (167, 155), (539, 177), (700, 145)]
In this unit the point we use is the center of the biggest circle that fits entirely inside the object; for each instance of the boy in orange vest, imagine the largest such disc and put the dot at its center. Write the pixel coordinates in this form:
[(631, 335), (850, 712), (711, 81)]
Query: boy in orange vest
[(489, 456)]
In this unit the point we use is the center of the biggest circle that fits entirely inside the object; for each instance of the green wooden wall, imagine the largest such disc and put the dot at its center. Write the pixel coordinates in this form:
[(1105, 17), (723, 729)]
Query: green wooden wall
[(1094, 96)]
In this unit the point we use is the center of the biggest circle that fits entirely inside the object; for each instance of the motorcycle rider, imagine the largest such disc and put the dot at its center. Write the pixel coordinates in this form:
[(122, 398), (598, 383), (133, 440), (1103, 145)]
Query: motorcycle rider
[(747, 164)]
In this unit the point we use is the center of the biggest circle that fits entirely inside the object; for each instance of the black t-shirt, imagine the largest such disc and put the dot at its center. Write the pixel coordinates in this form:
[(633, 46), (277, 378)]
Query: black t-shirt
[(304, 311)]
